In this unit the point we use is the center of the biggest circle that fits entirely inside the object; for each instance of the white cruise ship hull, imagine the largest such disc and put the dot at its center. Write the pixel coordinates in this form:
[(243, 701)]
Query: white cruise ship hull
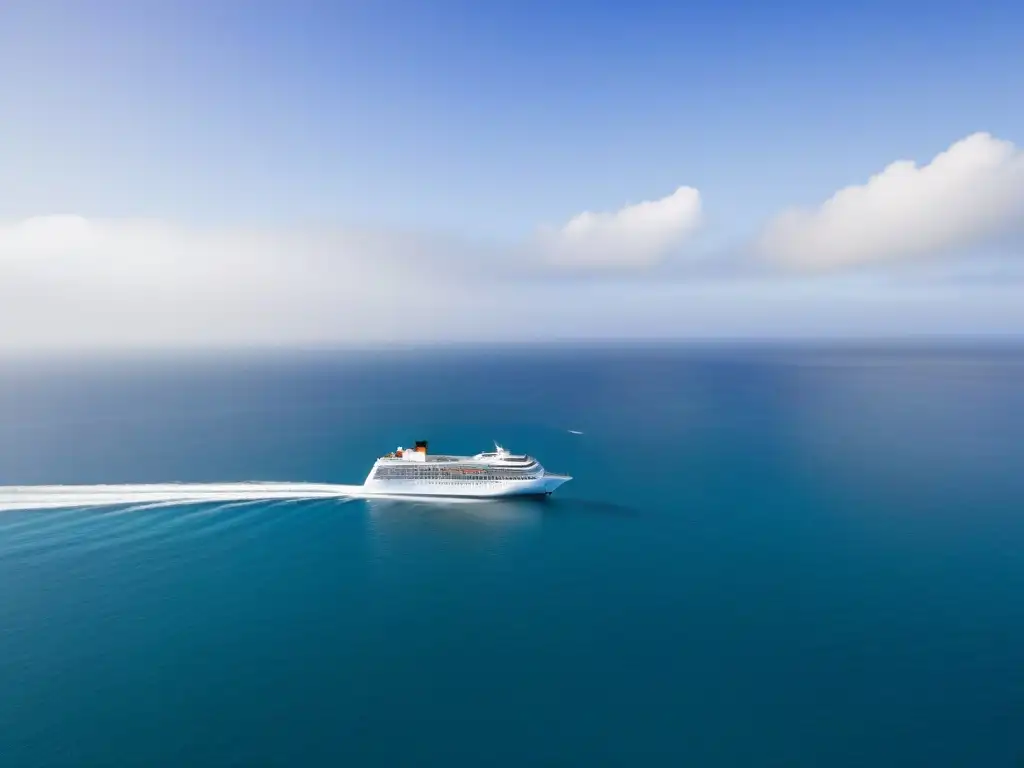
[(476, 489)]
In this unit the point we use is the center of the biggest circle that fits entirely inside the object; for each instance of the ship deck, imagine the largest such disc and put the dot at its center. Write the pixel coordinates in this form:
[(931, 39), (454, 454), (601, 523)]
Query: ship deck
[(433, 459)]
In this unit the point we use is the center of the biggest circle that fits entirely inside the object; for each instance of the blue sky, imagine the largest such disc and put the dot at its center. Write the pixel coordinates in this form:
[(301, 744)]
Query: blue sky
[(479, 123)]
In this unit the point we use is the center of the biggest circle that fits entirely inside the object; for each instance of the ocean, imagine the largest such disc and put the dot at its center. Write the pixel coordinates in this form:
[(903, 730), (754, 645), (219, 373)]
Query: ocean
[(769, 555)]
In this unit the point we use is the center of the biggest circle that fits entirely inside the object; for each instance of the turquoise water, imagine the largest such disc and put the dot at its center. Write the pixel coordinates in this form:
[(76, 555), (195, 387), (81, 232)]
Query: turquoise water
[(769, 556)]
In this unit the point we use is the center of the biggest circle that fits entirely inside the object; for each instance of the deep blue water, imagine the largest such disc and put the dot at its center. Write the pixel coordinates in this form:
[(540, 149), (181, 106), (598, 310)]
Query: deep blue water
[(769, 556)]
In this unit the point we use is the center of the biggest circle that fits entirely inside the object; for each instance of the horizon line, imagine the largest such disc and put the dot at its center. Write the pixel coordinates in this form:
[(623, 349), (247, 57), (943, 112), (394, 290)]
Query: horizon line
[(903, 340)]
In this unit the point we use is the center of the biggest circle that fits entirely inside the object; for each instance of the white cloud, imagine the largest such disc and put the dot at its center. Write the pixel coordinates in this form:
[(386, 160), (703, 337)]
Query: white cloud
[(69, 282), (965, 196), (638, 235)]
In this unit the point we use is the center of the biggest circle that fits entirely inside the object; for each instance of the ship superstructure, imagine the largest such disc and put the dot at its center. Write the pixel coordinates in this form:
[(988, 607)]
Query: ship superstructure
[(415, 472)]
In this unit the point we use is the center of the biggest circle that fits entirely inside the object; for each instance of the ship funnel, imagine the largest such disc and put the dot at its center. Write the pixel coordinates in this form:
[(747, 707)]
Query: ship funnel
[(421, 446)]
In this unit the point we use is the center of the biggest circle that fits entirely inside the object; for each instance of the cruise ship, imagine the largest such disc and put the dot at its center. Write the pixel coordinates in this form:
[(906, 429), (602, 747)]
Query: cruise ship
[(414, 472)]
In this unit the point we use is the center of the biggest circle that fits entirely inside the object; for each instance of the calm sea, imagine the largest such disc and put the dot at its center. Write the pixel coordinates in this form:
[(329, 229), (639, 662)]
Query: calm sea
[(769, 556)]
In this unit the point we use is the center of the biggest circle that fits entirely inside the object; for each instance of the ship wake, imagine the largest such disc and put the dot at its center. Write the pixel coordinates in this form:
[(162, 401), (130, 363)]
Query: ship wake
[(26, 497)]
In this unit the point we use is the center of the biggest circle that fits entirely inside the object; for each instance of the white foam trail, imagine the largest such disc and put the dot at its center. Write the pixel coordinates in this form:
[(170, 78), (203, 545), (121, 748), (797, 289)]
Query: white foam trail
[(15, 497)]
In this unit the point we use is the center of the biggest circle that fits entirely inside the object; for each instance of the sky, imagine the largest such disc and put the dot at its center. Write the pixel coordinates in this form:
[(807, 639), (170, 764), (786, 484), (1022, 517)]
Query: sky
[(194, 174)]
